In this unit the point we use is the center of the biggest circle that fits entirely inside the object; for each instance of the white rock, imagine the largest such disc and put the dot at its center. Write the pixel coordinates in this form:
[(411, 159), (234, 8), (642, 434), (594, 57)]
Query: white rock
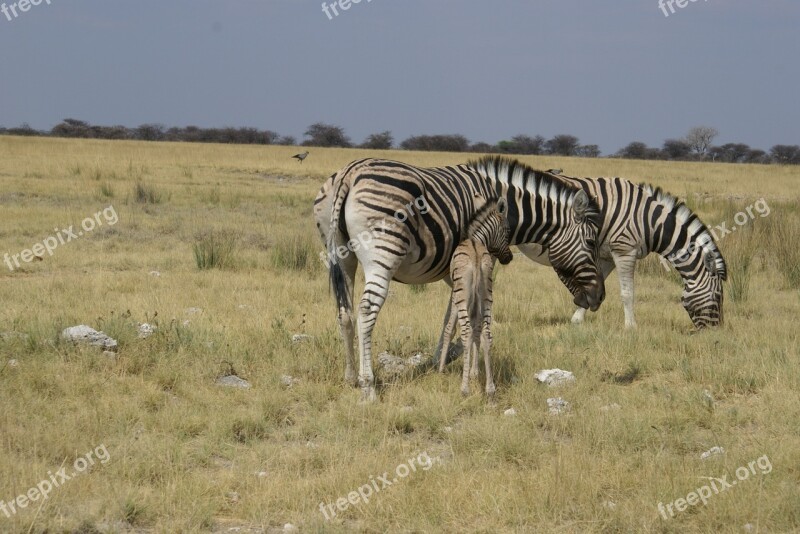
[(146, 330), (555, 377), (289, 381), (288, 527), (713, 451), (301, 338), (407, 409), (261, 474), (13, 363), (193, 310), (609, 505), (557, 405), (86, 334), (447, 429), (749, 527), (511, 412), (233, 381), (416, 360), (155, 273), (186, 322)]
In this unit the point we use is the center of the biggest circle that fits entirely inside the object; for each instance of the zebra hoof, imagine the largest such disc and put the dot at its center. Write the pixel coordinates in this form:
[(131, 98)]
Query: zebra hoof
[(350, 378)]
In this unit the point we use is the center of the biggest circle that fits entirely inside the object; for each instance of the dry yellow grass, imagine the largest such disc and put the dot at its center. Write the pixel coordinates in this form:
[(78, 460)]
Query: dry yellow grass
[(184, 453)]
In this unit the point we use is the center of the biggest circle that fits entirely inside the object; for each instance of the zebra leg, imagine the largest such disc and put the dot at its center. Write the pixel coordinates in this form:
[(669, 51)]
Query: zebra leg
[(450, 321), (469, 352), (347, 320), (486, 341), (606, 267), (376, 288), (626, 266)]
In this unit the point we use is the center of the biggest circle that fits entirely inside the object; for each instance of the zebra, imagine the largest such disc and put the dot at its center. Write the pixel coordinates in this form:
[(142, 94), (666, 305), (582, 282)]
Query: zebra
[(403, 223), (638, 220), (471, 273)]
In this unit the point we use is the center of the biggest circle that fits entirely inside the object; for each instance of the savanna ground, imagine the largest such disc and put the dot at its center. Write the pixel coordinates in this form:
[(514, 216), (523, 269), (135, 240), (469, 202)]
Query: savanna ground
[(186, 455)]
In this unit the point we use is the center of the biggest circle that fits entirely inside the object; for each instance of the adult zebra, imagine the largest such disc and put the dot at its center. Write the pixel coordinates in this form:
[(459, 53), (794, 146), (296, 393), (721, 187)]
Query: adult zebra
[(638, 220), (403, 223)]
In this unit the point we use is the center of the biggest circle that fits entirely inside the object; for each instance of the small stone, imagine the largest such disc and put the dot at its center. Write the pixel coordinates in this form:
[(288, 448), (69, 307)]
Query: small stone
[(87, 334), (557, 405), (232, 496), (301, 338), (447, 429), (261, 474), (233, 381), (288, 527), (146, 330), (13, 363), (749, 527), (193, 310), (609, 505), (713, 451), (407, 409), (416, 360), (288, 381), (511, 412), (555, 377), (244, 306), (155, 273), (186, 322)]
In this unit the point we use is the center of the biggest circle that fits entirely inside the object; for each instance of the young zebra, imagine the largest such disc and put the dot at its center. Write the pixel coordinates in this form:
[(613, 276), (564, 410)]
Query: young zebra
[(471, 273), (638, 220), (403, 223)]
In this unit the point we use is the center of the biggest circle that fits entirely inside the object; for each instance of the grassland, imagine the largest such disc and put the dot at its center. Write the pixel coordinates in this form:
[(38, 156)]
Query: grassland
[(187, 455)]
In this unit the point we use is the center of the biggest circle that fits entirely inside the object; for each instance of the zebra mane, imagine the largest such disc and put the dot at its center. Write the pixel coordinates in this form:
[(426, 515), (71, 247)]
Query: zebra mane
[(685, 217), (517, 174)]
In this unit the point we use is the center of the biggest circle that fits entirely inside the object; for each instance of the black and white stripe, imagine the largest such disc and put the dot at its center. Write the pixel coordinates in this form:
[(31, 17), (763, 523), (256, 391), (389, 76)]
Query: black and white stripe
[(640, 219), (415, 217)]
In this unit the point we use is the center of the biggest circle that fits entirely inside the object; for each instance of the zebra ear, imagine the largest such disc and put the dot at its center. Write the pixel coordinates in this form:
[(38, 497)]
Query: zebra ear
[(502, 206), (710, 262), (580, 204)]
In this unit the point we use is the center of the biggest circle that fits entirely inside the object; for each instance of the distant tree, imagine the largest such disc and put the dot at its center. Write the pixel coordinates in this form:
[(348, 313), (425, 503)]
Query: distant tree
[(321, 134), (482, 147), (562, 145), (522, 144), (635, 150), (25, 130), (111, 132), (676, 149), (150, 132), (729, 152), (700, 139), (379, 141), (72, 128), (756, 155), (785, 154), (287, 140), (588, 151), (436, 143)]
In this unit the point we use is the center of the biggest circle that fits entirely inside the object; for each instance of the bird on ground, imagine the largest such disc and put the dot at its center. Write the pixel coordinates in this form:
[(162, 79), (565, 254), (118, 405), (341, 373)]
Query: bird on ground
[(301, 157)]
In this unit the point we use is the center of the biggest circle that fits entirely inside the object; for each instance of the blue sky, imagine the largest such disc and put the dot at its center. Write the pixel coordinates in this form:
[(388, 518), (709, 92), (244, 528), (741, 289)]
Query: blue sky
[(608, 72)]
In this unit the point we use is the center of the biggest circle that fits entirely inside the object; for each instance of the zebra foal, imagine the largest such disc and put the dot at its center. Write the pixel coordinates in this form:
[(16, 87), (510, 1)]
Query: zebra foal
[(471, 299)]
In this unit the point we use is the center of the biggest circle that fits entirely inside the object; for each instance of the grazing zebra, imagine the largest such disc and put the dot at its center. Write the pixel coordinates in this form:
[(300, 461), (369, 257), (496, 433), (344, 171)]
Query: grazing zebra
[(403, 223), (471, 273), (638, 220)]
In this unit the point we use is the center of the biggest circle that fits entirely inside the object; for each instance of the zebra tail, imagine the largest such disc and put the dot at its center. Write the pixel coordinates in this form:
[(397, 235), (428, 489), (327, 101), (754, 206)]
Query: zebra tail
[(336, 275)]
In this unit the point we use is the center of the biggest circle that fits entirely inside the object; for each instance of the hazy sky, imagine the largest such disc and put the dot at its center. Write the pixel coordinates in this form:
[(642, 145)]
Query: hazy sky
[(609, 71)]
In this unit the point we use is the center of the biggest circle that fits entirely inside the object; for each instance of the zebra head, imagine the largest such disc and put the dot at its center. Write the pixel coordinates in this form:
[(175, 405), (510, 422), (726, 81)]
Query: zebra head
[(573, 252), (490, 227), (702, 293)]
